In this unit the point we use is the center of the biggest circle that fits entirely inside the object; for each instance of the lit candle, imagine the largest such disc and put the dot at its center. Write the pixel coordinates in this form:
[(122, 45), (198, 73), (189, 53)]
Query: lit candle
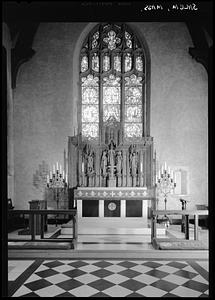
[(47, 178), (53, 168), (165, 166), (57, 165)]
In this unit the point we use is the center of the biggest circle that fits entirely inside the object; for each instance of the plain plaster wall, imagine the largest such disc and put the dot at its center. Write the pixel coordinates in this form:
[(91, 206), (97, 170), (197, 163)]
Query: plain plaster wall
[(45, 105), (7, 44)]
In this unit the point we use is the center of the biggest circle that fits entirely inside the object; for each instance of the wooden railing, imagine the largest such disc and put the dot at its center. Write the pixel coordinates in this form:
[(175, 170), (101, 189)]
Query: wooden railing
[(186, 213), (44, 212)]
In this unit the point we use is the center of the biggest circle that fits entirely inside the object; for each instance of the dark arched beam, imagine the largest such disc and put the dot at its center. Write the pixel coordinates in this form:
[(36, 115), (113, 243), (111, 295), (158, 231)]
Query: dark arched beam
[(22, 51), (200, 51), (200, 56)]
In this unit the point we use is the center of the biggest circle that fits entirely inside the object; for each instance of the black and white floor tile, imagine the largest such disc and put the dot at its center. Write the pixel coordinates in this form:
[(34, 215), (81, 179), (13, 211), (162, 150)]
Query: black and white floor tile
[(108, 278)]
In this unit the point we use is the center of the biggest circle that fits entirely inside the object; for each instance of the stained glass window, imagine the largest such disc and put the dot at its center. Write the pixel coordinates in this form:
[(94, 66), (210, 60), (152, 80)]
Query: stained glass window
[(106, 62), (133, 130), (90, 95), (139, 63), (133, 113), (95, 39), (90, 113), (90, 130), (84, 64), (117, 63), (112, 57), (133, 95), (128, 62), (128, 40), (111, 40), (95, 62), (133, 106), (111, 98), (90, 106)]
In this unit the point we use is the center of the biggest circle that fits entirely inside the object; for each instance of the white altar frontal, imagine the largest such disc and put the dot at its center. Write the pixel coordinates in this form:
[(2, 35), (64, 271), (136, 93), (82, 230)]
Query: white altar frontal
[(114, 210)]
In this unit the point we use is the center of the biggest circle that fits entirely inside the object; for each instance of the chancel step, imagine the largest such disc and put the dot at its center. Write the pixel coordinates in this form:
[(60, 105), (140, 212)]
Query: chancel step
[(109, 230), (113, 226)]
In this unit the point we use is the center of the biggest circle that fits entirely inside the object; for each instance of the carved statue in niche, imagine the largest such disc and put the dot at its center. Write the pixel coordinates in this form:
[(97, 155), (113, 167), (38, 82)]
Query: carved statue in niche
[(111, 155), (90, 160), (133, 162), (111, 165), (104, 163), (119, 162)]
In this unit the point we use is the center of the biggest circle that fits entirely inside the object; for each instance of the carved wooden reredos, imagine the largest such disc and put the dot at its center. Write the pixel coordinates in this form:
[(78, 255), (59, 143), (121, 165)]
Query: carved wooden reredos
[(110, 164), (113, 147)]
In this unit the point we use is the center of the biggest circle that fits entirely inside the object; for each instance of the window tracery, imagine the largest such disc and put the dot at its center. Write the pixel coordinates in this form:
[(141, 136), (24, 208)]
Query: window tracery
[(112, 71), (111, 40)]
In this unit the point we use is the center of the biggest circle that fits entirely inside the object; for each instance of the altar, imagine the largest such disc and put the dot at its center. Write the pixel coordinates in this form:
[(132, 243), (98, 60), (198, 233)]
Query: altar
[(114, 210), (111, 180)]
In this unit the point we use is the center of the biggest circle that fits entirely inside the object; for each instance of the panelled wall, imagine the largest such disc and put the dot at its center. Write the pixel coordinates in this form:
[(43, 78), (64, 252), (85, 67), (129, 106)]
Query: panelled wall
[(46, 98)]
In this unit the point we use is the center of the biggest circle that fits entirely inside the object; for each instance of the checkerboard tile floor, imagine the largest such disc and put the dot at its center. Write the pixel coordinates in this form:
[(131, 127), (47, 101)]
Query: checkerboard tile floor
[(111, 278)]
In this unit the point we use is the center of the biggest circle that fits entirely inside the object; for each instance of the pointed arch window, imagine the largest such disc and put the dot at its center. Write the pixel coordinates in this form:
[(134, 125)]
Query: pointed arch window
[(112, 77)]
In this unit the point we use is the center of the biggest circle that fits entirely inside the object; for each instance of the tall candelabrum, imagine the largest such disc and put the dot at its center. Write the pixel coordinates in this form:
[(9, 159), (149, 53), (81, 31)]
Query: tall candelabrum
[(165, 184), (57, 180)]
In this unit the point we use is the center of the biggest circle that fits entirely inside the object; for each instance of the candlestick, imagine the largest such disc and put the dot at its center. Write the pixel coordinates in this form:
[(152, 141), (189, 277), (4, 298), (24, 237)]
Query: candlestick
[(53, 168), (168, 170), (82, 167), (165, 184), (162, 170), (141, 167), (159, 174), (63, 174), (60, 169), (47, 178), (66, 178), (57, 166), (50, 174)]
